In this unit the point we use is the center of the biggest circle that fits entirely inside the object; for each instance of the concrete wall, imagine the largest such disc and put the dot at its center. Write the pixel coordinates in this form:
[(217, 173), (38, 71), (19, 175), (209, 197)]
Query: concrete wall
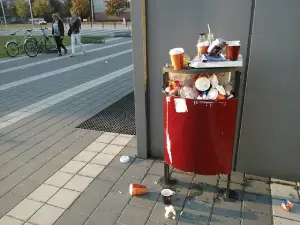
[(270, 132)]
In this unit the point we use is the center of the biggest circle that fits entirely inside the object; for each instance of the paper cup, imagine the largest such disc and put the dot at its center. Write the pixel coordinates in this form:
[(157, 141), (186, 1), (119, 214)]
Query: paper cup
[(212, 94), (167, 196), (177, 58), (137, 189), (202, 84), (202, 49), (232, 51), (221, 89)]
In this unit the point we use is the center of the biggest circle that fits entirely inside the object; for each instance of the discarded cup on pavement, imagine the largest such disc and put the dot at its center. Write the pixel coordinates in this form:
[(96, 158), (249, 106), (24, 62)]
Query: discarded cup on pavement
[(167, 196), (137, 189), (287, 205)]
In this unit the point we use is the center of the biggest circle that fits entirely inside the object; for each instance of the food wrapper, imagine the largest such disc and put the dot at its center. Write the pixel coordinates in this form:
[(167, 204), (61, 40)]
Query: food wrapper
[(188, 92)]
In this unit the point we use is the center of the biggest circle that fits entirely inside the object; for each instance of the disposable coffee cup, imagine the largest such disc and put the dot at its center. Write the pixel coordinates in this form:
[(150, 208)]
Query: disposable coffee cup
[(212, 94), (167, 196), (137, 189), (202, 49), (202, 84), (177, 58), (232, 50)]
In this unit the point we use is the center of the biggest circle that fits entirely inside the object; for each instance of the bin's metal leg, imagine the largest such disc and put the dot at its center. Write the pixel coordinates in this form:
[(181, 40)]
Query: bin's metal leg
[(227, 193), (167, 181)]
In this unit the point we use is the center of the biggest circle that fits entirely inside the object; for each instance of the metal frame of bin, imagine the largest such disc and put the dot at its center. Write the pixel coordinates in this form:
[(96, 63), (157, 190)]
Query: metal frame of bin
[(167, 181)]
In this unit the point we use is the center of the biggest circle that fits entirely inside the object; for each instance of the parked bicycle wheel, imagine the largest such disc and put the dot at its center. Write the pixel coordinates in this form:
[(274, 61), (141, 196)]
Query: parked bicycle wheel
[(48, 45), (31, 48), (12, 49)]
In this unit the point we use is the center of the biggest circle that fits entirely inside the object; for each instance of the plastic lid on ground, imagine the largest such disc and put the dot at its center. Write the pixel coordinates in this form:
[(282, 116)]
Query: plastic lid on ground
[(124, 159)]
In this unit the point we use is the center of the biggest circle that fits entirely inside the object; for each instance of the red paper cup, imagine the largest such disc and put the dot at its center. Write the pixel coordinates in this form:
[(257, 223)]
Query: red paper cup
[(137, 189)]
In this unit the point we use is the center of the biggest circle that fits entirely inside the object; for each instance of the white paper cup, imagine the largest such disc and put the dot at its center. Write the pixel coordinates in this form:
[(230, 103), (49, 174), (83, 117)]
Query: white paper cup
[(202, 84), (212, 94)]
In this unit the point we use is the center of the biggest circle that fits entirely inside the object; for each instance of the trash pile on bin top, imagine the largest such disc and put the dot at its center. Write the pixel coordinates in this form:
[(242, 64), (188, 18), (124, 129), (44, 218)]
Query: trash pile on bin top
[(202, 86)]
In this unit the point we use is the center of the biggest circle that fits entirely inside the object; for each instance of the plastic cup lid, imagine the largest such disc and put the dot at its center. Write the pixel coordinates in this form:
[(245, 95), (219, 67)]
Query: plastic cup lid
[(167, 192), (124, 159), (202, 84), (176, 51)]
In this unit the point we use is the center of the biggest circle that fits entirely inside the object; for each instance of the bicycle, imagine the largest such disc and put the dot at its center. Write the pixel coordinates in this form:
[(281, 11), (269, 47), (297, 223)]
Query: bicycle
[(13, 46), (44, 44)]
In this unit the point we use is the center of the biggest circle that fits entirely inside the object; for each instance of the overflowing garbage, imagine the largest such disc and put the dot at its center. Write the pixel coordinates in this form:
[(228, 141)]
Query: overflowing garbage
[(203, 86)]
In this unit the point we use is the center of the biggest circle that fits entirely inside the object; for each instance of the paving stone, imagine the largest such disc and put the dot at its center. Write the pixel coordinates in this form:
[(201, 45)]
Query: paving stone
[(121, 140), (111, 174), (115, 201), (25, 209), (71, 218), (107, 217), (216, 219), (143, 162), (281, 191), (73, 167), (85, 156), (253, 218), (228, 208), (257, 203), (184, 179), (43, 193), (257, 187), (96, 147), (157, 169), (238, 188), (236, 177), (158, 214), (112, 134), (210, 180), (150, 199), (129, 151), (197, 210), (136, 172), (78, 183), (253, 177), (154, 223), (91, 197), (59, 179), (133, 142), (25, 188), (102, 159), (9, 201), (186, 221), (105, 138), (278, 211), (64, 198), (91, 170), (46, 215), (134, 215), (291, 183), (207, 194), (116, 163), (112, 149), (6, 220), (282, 221)]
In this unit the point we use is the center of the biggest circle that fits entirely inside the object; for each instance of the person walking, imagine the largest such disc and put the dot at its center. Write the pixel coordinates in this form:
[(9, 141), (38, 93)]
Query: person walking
[(75, 26), (58, 32)]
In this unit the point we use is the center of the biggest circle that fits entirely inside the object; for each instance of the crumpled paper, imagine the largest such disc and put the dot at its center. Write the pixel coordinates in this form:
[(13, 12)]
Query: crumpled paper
[(170, 212)]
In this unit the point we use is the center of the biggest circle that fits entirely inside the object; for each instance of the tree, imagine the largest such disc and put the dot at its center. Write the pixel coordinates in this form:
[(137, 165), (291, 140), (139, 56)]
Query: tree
[(11, 8), (40, 7), (22, 8), (81, 7), (115, 7)]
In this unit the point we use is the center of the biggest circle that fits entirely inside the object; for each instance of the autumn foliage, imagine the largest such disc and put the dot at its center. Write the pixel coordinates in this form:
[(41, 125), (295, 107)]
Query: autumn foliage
[(81, 7), (115, 7)]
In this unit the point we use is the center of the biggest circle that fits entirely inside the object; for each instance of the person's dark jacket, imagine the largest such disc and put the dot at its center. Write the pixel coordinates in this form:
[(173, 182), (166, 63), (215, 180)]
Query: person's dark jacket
[(75, 27), (60, 27)]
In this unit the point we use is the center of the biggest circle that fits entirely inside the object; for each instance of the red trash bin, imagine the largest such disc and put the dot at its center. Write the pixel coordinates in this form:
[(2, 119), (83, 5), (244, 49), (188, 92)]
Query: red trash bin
[(199, 135)]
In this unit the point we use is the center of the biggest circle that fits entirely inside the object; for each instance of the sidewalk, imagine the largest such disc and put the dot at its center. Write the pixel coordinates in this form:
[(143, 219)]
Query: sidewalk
[(87, 184)]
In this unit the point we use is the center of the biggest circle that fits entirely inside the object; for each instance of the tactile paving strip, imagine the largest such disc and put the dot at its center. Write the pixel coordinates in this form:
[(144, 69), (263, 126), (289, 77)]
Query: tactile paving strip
[(117, 118)]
